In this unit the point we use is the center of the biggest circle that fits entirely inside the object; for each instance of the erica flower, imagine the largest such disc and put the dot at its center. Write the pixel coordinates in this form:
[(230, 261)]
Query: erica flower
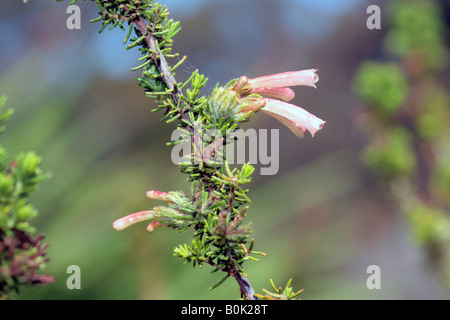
[(298, 120), (286, 79), (133, 218), (285, 94), (172, 216), (136, 217), (274, 88)]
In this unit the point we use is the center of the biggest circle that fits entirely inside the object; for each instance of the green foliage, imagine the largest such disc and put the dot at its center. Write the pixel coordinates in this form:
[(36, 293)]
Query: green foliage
[(433, 112), (4, 116), (418, 28), (429, 225), (440, 182), (16, 182), (383, 86), (286, 293), (21, 255), (391, 153)]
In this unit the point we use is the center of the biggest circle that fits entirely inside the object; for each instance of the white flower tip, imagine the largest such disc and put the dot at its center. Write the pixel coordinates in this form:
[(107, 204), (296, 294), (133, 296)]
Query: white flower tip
[(118, 225), (306, 78), (315, 77), (320, 126)]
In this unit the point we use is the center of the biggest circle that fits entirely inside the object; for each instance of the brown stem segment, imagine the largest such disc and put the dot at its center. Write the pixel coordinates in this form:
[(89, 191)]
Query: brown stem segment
[(244, 285)]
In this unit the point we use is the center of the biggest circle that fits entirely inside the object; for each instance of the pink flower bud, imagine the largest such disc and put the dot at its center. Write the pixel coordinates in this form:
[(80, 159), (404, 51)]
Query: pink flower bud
[(286, 79), (240, 84), (158, 195), (154, 226), (254, 106), (133, 218), (295, 118)]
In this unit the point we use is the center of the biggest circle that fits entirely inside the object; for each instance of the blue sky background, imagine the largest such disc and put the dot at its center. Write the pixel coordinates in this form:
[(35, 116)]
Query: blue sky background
[(309, 20)]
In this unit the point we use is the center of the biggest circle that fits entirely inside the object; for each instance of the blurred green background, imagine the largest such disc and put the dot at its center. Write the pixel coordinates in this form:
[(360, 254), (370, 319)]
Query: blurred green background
[(322, 220)]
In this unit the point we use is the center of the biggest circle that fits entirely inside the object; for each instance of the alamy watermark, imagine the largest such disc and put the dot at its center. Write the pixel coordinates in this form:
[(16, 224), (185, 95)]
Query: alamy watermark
[(74, 20), (374, 20), (74, 280), (243, 146), (374, 280)]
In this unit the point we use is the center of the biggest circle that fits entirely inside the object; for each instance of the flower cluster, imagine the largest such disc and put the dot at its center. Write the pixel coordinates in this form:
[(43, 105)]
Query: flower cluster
[(275, 93)]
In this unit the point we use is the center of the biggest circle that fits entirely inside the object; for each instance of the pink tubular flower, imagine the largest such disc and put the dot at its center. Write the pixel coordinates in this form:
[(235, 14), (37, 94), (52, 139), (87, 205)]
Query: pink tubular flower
[(133, 218), (297, 119), (154, 214), (286, 79), (285, 94)]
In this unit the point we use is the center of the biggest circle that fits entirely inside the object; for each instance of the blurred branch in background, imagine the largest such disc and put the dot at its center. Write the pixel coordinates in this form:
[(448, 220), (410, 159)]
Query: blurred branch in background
[(406, 116), (22, 255)]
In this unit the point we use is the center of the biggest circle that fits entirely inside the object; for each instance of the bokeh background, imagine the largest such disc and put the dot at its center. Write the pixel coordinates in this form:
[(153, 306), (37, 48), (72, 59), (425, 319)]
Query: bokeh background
[(322, 220)]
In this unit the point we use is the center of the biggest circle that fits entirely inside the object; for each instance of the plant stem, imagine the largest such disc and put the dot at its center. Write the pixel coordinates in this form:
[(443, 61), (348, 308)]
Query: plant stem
[(163, 67), (160, 61), (244, 285)]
